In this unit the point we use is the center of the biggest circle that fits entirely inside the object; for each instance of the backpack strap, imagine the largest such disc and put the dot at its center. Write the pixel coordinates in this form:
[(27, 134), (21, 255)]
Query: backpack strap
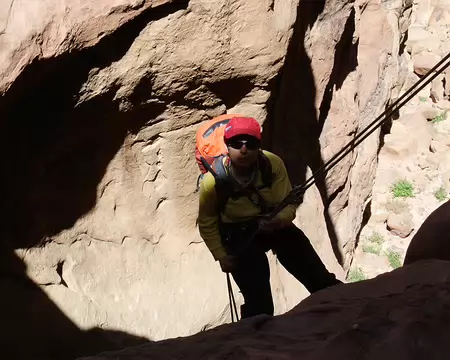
[(265, 166), (224, 186)]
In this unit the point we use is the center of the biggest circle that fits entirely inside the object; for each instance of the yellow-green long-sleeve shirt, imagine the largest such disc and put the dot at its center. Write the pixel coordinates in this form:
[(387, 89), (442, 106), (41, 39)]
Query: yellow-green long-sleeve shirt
[(241, 209)]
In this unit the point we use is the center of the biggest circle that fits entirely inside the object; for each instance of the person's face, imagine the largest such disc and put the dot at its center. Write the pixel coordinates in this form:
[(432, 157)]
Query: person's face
[(243, 151)]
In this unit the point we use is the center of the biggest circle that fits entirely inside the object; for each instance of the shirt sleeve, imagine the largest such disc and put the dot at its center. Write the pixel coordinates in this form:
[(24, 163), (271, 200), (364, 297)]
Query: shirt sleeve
[(208, 217), (281, 187)]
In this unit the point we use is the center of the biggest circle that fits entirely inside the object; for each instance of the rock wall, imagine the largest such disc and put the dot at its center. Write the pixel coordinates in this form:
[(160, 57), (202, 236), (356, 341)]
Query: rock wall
[(413, 173), (333, 85), (99, 106)]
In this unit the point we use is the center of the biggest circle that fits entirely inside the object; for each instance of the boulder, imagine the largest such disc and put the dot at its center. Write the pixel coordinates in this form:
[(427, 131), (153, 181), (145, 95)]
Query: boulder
[(437, 88), (429, 112), (400, 224), (443, 104), (429, 161), (416, 35), (440, 17), (429, 44), (409, 135), (422, 12), (424, 62), (398, 147), (417, 128), (379, 215)]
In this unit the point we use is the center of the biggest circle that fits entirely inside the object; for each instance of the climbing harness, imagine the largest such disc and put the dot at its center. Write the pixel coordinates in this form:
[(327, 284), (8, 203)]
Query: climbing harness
[(298, 191)]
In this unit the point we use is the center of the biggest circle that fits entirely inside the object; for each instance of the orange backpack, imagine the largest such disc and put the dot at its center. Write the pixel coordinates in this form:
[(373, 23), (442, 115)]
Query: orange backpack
[(209, 141), (209, 151)]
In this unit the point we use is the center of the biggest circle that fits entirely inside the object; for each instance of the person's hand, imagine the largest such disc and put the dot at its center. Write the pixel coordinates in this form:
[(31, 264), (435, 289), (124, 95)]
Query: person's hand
[(266, 225), (228, 263)]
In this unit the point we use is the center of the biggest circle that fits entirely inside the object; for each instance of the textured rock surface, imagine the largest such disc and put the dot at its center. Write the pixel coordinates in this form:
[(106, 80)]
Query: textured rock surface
[(402, 314), (103, 178), (33, 30), (424, 62), (399, 224), (102, 102), (331, 103), (415, 149)]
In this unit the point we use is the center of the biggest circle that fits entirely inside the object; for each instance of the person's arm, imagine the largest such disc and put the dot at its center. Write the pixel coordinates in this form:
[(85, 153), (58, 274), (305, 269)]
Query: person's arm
[(281, 187), (208, 217)]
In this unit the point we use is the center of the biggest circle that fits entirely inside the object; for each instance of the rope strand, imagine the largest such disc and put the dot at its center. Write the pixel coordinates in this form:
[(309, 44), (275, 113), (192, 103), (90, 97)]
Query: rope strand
[(368, 130), (233, 307), (298, 191)]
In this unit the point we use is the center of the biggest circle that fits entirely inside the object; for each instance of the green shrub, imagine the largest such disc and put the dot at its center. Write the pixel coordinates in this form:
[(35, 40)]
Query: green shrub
[(440, 194), (395, 259), (402, 188), (423, 98), (356, 275), (376, 238), (372, 249), (441, 117)]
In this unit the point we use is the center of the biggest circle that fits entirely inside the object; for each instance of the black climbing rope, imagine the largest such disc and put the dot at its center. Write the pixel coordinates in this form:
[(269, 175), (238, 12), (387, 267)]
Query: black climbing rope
[(298, 191), (233, 307)]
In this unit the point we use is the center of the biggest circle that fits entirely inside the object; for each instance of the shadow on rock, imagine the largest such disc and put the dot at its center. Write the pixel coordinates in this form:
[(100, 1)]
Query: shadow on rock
[(54, 154), (35, 328), (293, 128)]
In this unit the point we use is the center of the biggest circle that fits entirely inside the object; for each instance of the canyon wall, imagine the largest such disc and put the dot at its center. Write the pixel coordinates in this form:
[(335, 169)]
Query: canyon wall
[(99, 107)]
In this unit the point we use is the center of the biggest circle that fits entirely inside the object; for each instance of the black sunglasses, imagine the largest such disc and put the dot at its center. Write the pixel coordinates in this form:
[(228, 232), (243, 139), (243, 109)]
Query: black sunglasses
[(251, 144)]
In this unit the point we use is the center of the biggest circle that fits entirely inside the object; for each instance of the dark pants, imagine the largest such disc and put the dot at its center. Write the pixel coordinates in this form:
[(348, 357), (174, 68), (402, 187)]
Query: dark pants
[(295, 253)]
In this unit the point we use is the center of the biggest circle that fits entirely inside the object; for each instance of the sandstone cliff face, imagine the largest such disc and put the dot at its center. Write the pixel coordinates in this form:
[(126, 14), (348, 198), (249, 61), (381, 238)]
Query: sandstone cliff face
[(415, 152), (356, 65), (100, 104)]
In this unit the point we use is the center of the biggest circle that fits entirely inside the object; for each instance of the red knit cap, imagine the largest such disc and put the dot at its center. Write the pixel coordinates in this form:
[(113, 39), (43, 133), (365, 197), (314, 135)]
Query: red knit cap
[(242, 126)]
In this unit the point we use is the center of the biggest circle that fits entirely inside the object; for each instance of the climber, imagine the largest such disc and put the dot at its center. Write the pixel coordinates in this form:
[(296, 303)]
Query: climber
[(230, 210)]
